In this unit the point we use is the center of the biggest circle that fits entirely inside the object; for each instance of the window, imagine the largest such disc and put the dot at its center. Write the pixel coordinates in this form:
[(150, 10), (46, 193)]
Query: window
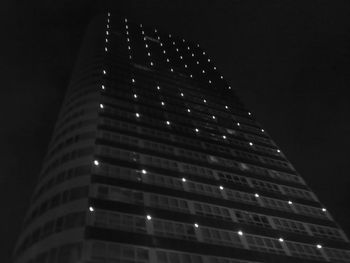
[(289, 225), (164, 256), (304, 250), (220, 237), (212, 211), (169, 203), (252, 218), (173, 229), (264, 244)]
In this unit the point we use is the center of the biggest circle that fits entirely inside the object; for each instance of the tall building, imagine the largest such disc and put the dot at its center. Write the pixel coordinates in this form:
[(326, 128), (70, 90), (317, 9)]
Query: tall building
[(155, 160)]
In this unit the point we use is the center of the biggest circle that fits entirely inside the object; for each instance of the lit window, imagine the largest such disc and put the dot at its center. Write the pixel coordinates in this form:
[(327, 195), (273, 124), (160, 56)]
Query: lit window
[(148, 217), (96, 163), (91, 209), (240, 233)]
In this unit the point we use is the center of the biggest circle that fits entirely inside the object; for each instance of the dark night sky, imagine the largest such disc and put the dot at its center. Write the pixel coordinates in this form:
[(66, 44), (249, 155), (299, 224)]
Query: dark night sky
[(288, 60)]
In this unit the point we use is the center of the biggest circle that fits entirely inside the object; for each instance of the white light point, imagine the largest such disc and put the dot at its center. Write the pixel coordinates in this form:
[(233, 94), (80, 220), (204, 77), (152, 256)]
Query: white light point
[(197, 62), (203, 71), (319, 246), (148, 54), (238, 124), (196, 130), (91, 209), (290, 202), (96, 163), (221, 187), (171, 70), (213, 117), (250, 143), (133, 80), (229, 87), (208, 60), (209, 81), (106, 40), (240, 233), (183, 179), (181, 94), (203, 53), (324, 210), (103, 87), (106, 49), (137, 115), (162, 103), (192, 55), (126, 20), (167, 122), (191, 76), (188, 110), (104, 72), (185, 66), (146, 46), (214, 68), (143, 171), (151, 63), (278, 150), (107, 33), (262, 130), (256, 195), (196, 225), (158, 88), (226, 107), (280, 239), (205, 101), (249, 113), (135, 96), (224, 137), (180, 57), (101, 106), (221, 77), (148, 217), (167, 60)]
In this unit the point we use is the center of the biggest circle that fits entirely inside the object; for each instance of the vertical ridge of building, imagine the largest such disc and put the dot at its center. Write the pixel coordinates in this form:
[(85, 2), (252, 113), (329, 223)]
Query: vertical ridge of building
[(154, 159)]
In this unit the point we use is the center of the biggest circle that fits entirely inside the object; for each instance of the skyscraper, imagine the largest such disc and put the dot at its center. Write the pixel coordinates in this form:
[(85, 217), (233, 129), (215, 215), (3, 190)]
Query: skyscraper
[(155, 159)]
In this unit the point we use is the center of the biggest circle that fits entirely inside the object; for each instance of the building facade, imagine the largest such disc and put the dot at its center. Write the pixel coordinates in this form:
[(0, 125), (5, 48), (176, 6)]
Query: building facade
[(154, 159)]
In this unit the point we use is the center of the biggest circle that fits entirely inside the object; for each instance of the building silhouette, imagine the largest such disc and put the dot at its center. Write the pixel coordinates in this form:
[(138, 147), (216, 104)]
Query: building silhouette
[(155, 159)]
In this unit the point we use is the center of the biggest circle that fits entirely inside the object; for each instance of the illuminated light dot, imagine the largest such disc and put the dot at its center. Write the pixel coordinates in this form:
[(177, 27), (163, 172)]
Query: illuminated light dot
[(143, 32), (161, 44), (197, 62), (158, 88), (128, 39), (167, 122), (203, 53), (167, 60), (221, 77), (205, 101), (148, 217), (106, 49), (181, 94), (126, 27), (180, 57), (188, 48), (192, 55), (191, 76), (290, 202), (104, 72), (146, 46), (106, 40), (256, 195), (151, 63), (224, 137), (209, 81), (183, 40), (135, 96), (107, 33), (171, 70), (203, 71), (173, 43), (96, 162), (155, 30), (141, 25), (148, 54), (103, 87), (226, 107), (91, 209), (196, 225), (137, 115), (101, 106), (107, 26), (169, 35), (221, 187), (130, 57), (185, 66), (144, 38), (162, 103), (143, 171), (250, 143), (238, 124), (278, 151), (177, 50), (158, 38), (129, 47), (319, 246), (214, 117), (133, 80), (127, 32), (249, 113), (214, 68), (109, 14), (240, 233), (229, 87), (183, 179), (164, 51), (208, 60), (188, 110), (281, 239), (324, 209), (126, 20), (197, 45), (196, 130)]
